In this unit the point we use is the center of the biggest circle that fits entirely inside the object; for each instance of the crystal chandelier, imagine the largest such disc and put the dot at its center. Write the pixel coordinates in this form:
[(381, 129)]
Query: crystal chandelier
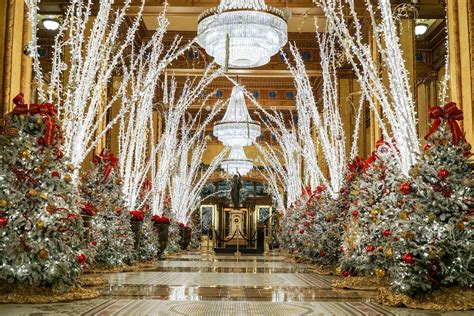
[(237, 162), (237, 127), (245, 33)]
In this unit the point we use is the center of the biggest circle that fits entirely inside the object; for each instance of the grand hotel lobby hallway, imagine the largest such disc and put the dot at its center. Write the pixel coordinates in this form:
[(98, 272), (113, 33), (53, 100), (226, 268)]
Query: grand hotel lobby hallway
[(191, 284)]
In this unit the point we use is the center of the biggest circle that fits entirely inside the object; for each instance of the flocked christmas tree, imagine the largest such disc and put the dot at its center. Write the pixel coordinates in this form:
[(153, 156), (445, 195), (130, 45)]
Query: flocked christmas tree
[(433, 237), (371, 212), (110, 228), (40, 228)]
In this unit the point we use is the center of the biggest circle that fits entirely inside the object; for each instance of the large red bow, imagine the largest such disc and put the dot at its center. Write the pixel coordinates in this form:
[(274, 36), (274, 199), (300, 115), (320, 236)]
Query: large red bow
[(451, 114), (45, 109), (111, 162)]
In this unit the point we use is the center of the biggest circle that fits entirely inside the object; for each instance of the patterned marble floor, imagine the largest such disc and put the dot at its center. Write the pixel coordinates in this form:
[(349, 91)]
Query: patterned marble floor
[(220, 285)]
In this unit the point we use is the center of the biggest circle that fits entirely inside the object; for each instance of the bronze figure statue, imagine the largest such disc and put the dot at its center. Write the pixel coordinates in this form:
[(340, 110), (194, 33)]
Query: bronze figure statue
[(235, 190)]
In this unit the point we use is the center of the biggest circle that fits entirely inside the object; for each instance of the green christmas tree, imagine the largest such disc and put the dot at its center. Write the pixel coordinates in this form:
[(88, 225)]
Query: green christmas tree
[(40, 228), (110, 227), (433, 237)]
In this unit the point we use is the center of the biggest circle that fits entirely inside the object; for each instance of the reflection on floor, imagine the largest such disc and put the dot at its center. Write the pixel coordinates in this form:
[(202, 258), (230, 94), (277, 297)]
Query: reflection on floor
[(220, 285)]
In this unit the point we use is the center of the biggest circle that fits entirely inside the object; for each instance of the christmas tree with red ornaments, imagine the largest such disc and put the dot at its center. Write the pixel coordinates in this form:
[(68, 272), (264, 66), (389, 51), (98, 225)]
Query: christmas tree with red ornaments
[(432, 238), (110, 231), (372, 210), (41, 231)]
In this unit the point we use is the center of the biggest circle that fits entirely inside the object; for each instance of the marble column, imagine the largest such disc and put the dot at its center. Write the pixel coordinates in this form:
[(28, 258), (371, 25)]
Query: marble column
[(461, 60), (15, 67)]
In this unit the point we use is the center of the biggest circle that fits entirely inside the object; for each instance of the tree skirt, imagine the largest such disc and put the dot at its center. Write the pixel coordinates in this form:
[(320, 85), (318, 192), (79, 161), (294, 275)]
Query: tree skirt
[(29, 295), (446, 299), (358, 283)]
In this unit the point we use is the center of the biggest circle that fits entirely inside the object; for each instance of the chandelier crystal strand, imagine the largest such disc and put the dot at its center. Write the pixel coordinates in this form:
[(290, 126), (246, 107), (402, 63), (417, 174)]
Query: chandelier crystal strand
[(254, 30), (237, 127), (237, 162), (395, 100)]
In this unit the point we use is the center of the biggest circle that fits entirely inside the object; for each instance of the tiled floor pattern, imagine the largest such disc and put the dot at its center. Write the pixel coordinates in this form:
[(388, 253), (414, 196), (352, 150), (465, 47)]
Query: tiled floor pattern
[(220, 285)]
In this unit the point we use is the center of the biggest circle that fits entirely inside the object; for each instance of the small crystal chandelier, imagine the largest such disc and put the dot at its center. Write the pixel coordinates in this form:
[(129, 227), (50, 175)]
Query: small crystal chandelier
[(237, 162), (242, 33), (237, 127)]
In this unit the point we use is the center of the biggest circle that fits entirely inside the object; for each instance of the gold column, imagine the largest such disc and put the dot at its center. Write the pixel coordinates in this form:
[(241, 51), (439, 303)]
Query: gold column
[(15, 67), (460, 62)]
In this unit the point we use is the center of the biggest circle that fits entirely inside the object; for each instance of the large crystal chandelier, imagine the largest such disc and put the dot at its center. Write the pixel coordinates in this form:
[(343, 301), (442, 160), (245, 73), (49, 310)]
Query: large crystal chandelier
[(246, 33), (237, 127), (237, 162)]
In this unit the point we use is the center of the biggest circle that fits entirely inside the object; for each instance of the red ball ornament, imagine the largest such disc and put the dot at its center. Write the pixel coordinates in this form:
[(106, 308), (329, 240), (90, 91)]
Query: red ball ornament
[(94, 243), (345, 274), (311, 214), (408, 258), (302, 231), (41, 141), (3, 222), (322, 253), (55, 174), (387, 232), (342, 190), (81, 258), (443, 173), (427, 147), (355, 213), (71, 216), (370, 248), (405, 188)]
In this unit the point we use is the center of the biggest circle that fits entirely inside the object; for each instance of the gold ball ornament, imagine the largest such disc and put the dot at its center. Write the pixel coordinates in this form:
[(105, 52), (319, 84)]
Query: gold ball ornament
[(380, 273), (46, 162), (43, 253), (410, 235), (404, 215), (432, 217), (415, 171), (39, 119), (70, 167), (32, 193), (338, 271), (442, 252), (389, 253), (432, 254), (25, 153), (39, 170), (460, 226), (3, 203), (67, 178), (43, 196), (39, 224), (374, 213)]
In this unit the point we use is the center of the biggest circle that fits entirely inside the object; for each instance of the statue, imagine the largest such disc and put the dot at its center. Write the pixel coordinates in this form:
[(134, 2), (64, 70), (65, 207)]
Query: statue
[(235, 190)]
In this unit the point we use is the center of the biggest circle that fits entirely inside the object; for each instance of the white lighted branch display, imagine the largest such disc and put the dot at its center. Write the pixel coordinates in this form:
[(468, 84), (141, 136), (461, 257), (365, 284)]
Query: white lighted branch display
[(188, 179), (88, 49), (394, 99), (326, 119), (166, 150), (137, 130), (285, 161)]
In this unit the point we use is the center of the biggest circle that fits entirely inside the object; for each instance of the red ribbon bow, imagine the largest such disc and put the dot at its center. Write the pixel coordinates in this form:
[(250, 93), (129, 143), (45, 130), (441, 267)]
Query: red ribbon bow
[(451, 113), (111, 162), (45, 109)]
